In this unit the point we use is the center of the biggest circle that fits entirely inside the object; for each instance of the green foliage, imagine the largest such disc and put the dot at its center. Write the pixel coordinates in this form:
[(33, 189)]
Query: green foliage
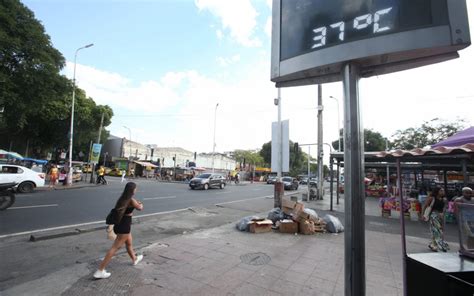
[(298, 159), (248, 157), (429, 133), (36, 98), (373, 141)]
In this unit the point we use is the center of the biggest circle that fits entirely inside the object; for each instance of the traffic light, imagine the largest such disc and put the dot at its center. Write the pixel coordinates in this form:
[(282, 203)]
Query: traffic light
[(296, 148)]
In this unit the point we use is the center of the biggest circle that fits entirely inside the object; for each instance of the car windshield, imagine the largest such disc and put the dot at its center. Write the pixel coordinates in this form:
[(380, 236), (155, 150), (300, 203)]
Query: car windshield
[(204, 176), (287, 179)]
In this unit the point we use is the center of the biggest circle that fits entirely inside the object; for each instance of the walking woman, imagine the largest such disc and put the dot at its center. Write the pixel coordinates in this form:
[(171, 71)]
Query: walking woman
[(125, 206), (438, 202), (53, 176)]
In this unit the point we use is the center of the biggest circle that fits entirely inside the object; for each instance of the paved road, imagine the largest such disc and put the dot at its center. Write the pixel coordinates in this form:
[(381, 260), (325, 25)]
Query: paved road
[(49, 209)]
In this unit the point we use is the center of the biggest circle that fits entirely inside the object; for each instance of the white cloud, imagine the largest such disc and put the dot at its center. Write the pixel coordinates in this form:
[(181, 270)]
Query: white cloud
[(117, 91), (224, 62), (239, 17), (268, 27), (219, 34)]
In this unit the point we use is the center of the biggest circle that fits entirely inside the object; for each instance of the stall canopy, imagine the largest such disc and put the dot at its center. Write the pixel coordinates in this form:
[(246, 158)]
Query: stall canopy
[(146, 164), (461, 138), (38, 161), (10, 155)]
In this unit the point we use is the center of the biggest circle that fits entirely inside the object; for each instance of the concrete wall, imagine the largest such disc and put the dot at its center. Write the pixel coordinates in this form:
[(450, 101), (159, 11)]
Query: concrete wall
[(168, 153), (221, 162)]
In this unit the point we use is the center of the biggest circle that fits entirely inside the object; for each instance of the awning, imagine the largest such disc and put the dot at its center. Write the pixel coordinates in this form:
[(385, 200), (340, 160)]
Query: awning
[(39, 161), (10, 155), (146, 164)]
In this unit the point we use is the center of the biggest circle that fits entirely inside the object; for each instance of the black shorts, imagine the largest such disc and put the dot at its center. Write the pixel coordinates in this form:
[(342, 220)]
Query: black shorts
[(124, 226)]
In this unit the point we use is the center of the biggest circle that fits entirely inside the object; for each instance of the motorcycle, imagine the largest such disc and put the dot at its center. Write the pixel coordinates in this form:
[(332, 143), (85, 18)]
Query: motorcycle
[(7, 196)]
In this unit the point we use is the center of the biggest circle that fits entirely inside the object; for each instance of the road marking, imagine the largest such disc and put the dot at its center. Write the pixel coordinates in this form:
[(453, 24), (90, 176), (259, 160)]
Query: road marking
[(30, 207), (226, 192), (257, 189), (234, 201), (159, 197), (83, 224)]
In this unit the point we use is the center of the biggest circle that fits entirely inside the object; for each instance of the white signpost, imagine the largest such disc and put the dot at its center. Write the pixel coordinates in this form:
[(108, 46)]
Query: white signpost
[(281, 157)]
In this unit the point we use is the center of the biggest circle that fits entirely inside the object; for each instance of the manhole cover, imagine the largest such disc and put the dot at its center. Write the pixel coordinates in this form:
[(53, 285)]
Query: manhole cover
[(255, 258)]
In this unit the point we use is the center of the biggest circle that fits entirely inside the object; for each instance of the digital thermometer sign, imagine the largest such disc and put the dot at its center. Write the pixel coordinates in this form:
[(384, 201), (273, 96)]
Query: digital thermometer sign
[(312, 38)]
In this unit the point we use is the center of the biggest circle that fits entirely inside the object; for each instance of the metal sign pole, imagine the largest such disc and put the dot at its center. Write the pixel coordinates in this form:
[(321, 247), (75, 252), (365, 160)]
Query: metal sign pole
[(320, 143), (354, 236)]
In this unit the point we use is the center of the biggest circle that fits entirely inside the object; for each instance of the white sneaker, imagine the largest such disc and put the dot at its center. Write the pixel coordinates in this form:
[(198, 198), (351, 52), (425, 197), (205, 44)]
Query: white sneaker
[(101, 274), (138, 259)]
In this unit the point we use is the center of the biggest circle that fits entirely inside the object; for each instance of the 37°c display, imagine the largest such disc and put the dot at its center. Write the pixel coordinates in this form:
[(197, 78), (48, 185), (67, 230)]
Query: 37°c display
[(314, 25)]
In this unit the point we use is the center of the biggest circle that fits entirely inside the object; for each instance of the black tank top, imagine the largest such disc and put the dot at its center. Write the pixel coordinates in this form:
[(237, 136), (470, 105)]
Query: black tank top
[(129, 210), (438, 205)]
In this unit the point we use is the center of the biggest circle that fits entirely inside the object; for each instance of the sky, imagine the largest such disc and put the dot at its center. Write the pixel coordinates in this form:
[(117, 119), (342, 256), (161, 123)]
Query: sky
[(164, 65)]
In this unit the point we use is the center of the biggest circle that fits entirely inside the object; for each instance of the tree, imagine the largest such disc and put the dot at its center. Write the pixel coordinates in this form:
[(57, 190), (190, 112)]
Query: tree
[(373, 141), (429, 133), (35, 97), (298, 158), (248, 157)]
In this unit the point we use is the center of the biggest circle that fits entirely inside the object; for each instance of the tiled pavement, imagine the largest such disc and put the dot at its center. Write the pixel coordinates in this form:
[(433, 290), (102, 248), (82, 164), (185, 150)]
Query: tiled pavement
[(209, 263)]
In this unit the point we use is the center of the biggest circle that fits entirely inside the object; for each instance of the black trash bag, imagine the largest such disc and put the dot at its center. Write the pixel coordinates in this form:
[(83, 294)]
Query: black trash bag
[(333, 224), (276, 215), (242, 225)]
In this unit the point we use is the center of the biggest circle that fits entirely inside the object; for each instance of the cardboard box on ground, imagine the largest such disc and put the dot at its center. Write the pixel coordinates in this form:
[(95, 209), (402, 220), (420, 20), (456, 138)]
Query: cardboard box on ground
[(307, 223), (288, 226), (260, 226)]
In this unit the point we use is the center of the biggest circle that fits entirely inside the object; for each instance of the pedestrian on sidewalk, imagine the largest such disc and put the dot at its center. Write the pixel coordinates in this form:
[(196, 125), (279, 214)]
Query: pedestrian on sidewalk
[(125, 206), (123, 176), (100, 176), (438, 202), (53, 176)]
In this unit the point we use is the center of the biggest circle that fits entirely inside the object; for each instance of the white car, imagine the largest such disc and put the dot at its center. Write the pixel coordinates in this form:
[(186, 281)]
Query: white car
[(26, 179)]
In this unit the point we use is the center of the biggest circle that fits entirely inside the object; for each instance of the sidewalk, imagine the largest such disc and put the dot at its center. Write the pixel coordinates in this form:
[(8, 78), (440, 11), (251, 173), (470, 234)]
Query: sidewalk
[(224, 261)]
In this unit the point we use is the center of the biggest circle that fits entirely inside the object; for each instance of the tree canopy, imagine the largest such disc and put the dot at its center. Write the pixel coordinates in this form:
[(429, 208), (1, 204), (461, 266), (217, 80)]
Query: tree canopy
[(429, 133), (298, 159), (35, 98), (373, 141)]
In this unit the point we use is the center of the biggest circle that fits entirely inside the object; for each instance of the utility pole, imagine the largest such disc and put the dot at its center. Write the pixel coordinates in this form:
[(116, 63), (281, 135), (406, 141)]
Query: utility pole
[(98, 142), (174, 158), (279, 189), (388, 170), (214, 141), (320, 143)]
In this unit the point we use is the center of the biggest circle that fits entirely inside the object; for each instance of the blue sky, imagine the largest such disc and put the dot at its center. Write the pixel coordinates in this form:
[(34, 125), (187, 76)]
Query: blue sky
[(164, 65), (142, 40)]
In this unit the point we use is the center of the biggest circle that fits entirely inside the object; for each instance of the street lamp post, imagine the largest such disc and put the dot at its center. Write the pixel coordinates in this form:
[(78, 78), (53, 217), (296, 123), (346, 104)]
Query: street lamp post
[(69, 174), (214, 142), (338, 124)]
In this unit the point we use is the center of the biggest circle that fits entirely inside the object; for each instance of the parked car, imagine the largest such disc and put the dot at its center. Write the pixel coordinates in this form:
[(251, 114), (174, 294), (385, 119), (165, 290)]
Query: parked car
[(304, 181), (313, 182), (115, 172), (26, 179), (76, 174), (206, 181), (290, 183), (271, 180)]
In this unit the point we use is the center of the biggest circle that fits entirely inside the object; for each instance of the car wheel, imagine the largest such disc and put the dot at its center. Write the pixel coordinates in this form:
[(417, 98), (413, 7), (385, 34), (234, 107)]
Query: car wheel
[(192, 187), (222, 185), (206, 186), (26, 187)]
